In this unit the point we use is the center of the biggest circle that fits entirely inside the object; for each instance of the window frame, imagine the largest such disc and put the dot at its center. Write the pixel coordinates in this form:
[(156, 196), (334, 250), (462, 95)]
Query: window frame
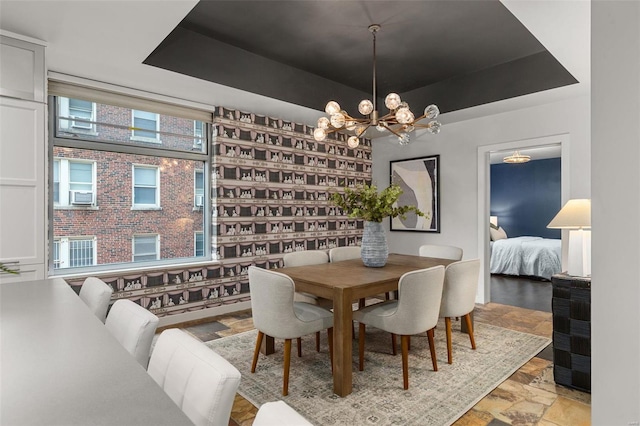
[(205, 156)]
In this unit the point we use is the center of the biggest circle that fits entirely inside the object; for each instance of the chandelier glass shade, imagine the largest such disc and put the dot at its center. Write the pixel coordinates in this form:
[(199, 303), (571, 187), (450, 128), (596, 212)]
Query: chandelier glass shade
[(400, 120), (516, 158)]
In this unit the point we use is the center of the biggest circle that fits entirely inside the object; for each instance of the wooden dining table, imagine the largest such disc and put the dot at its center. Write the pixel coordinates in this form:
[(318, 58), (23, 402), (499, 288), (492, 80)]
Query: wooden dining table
[(347, 281)]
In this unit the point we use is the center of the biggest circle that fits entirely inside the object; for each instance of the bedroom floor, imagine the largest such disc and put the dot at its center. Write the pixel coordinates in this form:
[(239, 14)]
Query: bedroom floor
[(528, 397), (523, 292)]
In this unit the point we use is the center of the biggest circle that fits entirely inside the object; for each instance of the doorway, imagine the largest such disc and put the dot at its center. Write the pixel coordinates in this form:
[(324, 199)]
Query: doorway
[(559, 143)]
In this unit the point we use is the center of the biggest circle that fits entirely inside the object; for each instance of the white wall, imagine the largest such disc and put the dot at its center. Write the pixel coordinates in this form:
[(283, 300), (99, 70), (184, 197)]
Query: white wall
[(457, 144), (615, 291)]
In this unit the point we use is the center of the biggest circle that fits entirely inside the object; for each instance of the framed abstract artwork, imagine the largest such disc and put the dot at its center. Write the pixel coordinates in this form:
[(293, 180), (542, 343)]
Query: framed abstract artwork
[(419, 179)]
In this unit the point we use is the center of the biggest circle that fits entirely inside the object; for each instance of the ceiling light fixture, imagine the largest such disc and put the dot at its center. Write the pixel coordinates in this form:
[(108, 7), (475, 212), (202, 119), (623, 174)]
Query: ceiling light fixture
[(517, 158), (399, 120)]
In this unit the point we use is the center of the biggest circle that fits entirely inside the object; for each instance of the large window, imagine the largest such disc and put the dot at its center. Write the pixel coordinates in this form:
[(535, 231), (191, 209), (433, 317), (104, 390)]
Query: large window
[(128, 189)]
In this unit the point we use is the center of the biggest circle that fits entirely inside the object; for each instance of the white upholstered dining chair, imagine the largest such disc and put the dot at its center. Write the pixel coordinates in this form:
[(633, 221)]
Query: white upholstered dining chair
[(338, 254), (275, 314), (96, 294), (304, 258), (134, 327), (198, 380), (415, 311), (459, 297), (204, 385), (440, 251)]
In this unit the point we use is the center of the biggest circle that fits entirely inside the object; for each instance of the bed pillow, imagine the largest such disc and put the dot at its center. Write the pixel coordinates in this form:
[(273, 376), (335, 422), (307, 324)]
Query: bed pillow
[(497, 234)]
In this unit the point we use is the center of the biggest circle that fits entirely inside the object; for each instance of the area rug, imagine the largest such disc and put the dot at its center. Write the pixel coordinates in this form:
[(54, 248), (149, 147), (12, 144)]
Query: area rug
[(433, 398)]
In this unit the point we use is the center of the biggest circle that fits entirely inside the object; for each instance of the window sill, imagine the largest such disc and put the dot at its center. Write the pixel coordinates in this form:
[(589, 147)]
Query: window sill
[(79, 131), (150, 208), (145, 139), (72, 207)]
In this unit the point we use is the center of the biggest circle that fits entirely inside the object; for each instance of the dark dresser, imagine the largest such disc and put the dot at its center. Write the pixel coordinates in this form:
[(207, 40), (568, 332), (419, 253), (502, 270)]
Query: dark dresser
[(571, 310)]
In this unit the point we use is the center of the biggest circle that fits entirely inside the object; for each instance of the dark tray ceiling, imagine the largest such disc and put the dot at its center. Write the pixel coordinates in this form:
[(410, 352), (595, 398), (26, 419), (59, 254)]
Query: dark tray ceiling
[(456, 54)]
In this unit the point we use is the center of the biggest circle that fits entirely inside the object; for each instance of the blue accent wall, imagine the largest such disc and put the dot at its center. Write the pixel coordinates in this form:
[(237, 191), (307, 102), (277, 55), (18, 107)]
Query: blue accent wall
[(525, 197)]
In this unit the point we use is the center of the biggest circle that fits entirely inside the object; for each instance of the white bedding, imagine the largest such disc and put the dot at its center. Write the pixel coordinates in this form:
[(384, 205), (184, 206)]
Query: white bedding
[(530, 256)]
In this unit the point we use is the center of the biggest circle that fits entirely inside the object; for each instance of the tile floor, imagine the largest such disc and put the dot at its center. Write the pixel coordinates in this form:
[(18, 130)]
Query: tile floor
[(528, 397)]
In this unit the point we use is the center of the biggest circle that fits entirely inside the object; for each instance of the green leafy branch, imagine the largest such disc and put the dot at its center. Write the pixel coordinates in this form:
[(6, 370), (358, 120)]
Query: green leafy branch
[(6, 269), (366, 203)]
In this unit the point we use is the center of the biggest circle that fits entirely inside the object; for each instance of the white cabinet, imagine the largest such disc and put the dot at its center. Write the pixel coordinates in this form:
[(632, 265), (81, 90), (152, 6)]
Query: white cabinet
[(22, 160), (22, 69)]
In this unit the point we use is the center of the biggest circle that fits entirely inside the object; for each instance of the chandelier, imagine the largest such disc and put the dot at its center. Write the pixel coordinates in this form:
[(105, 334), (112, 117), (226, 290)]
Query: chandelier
[(516, 158), (400, 121)]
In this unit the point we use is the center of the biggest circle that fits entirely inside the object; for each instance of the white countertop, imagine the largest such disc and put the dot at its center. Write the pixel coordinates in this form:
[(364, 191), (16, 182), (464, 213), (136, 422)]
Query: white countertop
[(59, 365)]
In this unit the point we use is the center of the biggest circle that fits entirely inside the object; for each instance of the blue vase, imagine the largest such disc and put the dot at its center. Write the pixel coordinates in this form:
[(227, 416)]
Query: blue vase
[(374, 250)]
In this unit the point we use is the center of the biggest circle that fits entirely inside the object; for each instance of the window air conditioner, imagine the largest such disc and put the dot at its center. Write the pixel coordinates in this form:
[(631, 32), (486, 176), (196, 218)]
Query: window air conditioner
[(84, 198), (199, 200), (80, 124)]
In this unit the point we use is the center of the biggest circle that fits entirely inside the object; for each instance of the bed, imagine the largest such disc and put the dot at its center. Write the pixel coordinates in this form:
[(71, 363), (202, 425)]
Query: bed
[(528, 256)]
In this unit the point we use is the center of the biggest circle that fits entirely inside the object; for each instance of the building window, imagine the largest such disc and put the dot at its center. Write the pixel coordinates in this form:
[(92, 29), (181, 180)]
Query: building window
[(146, 126), (56, 254), (198, 189), (198, 244), (77, 115), (73, 182), (145, 247), (56, 181), (74, 252), (198, 134), (145, 187), (82, 114)]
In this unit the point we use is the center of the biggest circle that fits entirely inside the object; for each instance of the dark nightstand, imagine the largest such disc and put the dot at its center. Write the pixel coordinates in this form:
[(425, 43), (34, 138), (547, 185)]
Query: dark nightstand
[(571, 309)]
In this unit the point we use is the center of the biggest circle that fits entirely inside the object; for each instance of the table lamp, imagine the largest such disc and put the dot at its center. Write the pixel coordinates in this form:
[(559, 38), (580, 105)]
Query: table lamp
[(576, 217)]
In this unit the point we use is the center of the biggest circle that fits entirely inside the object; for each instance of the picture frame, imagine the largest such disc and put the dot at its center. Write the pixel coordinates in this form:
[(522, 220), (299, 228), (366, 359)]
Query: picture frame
[(419, 179)]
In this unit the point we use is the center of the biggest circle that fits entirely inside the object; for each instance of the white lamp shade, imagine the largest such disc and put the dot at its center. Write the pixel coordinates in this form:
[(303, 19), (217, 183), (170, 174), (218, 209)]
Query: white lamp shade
[(576, 214)]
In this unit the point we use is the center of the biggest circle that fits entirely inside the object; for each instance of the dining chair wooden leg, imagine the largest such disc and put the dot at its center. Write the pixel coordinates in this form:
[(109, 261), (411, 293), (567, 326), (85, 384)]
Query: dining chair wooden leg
[(393, 344), (287, 364), (361, 347), (330, 341), (299, 344), (409, 342), (432, 349), (255, 353), (317, 341), (447, 322), (404, 341), (467, 318)]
